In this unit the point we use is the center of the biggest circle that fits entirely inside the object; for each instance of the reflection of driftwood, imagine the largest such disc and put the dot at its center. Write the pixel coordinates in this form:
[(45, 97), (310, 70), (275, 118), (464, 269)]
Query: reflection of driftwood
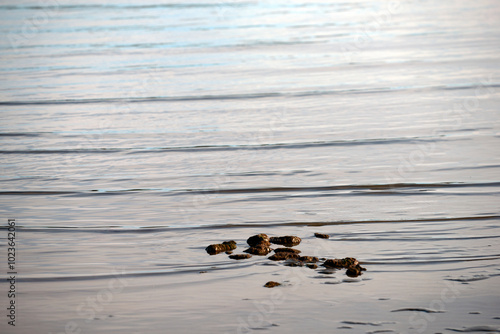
[(240, 256), (288, 241), (226, 246), (287, 250)]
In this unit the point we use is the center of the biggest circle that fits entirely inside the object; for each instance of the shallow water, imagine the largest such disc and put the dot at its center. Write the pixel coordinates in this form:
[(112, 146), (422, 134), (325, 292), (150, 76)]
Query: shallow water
[(133, 135)]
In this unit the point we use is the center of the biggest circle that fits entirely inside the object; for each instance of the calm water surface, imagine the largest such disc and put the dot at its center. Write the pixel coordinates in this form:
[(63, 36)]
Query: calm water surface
[(134, 134)]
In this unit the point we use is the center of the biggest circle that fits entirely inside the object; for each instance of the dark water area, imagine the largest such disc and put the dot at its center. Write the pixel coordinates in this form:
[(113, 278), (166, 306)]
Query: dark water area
[(135, 134)]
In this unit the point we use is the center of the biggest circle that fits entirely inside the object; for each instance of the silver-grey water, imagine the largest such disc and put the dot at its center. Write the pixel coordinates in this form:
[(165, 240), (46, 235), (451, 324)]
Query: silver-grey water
[(134, 134)]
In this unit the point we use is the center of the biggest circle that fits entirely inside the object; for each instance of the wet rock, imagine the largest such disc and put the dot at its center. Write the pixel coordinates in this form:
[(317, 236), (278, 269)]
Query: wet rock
[(287, 250), (288, 241), (260, 245), (259, 250), (219, 248), (340, 263), (309, 259), (354, 270), (240, 256), (350, 263), (283, 256), (271, 284), (259, 239)]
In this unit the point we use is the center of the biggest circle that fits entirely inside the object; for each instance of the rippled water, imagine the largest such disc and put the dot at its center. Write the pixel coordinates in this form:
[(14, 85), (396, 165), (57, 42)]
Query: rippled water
[(134, 134)]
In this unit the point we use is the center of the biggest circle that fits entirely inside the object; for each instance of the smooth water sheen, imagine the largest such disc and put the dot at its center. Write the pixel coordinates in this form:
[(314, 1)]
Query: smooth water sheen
[(134, 134)]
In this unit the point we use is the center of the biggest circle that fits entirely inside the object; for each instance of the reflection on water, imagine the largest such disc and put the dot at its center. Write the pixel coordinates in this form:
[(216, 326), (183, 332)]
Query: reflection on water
[(133, 135)]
